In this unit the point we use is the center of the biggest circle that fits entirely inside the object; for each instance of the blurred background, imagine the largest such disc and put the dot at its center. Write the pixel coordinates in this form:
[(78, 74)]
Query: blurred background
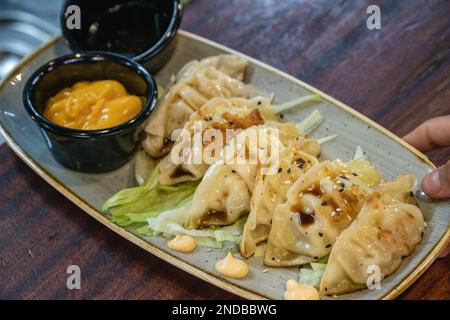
[(24, 25)]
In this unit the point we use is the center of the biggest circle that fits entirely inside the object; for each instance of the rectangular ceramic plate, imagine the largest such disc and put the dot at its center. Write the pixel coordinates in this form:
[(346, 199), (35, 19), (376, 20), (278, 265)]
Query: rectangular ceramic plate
[(390, 155)]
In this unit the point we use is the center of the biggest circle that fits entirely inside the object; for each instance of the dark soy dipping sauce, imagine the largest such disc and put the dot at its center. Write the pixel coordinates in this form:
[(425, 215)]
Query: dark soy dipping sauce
[(129, 28), (305, 219)]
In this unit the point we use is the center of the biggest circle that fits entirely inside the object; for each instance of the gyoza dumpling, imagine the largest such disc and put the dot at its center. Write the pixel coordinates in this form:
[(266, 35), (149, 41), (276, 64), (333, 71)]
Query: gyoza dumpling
[(221, 199), (387, 229), (271, 190), (197, 82), (229, 64), (224, 192), (220, 114), (320, 205)]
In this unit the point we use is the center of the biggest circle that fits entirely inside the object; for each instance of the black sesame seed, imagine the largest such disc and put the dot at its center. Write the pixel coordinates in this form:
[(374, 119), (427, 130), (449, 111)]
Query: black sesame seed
[(341, 190), (354, 174), (234, 171), (280, 169), (259, 103), (320, 234), (281, 116), (289, 170), (300, 163), (328, 246), (324, 203), (342, 185)]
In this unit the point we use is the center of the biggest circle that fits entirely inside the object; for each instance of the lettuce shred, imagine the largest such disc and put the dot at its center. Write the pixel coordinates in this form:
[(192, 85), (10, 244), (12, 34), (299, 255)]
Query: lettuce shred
[(326, 139), (302, 101), (261, 250), (135, 205), (170, 224), (312, 274), (310, 122)]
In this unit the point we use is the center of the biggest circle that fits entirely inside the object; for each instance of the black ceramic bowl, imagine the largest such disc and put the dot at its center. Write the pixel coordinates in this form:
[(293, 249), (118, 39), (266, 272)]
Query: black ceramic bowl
[(90, 150), (143, 30)]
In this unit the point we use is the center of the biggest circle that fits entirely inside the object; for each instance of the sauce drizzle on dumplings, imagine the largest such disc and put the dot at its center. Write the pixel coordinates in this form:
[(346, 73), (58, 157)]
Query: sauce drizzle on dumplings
[(305, 219)]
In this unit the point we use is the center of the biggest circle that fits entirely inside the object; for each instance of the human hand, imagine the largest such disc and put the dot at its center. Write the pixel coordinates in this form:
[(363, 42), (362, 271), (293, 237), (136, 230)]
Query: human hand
[(433, 134)]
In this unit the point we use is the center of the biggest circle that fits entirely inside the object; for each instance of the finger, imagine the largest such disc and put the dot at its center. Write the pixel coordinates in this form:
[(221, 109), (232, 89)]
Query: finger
[(432, 134), (445, 252), (437, 183)]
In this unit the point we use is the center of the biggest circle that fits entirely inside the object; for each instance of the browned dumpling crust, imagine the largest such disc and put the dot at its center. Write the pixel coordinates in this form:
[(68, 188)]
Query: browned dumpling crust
[(196, 83), (320, 205), (271, 190), (387, 229)]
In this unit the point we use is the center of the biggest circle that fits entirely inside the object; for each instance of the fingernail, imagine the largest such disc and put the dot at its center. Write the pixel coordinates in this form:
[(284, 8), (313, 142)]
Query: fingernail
[(432, 183)]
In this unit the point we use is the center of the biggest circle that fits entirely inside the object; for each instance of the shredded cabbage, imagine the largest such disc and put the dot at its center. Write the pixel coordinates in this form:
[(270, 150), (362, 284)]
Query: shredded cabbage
[(310, 122), (260, 250), (313, 274), (170, 223), (359, 154), (365, 171), (326, 139), (297, 103), (136, 205)]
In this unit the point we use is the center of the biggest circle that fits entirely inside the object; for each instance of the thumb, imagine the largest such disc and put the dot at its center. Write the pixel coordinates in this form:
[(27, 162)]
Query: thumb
[(437, 183)]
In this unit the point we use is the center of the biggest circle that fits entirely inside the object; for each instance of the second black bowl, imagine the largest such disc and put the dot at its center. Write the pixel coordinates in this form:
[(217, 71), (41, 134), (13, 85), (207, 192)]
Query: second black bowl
[(90, 150), (143, 30)]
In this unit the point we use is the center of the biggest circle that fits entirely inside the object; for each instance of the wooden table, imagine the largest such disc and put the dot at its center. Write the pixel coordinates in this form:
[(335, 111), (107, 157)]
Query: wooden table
[(398, 76)]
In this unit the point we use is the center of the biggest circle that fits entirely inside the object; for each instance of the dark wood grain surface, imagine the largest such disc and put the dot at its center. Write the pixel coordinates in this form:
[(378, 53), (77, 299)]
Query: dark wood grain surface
[(398, 76)]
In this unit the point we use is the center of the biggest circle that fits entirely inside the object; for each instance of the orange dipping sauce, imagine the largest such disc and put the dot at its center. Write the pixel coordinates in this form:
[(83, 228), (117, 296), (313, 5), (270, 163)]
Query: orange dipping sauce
[(92, 105)]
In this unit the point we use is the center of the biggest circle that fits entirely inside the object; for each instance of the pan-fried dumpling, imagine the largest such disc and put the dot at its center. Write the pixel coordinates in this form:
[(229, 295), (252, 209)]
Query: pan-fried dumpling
[(320, 205), (197, 82), (218, 113), (229, 64), (387, 229), (224, 192), (220, 199), (271, 190)]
